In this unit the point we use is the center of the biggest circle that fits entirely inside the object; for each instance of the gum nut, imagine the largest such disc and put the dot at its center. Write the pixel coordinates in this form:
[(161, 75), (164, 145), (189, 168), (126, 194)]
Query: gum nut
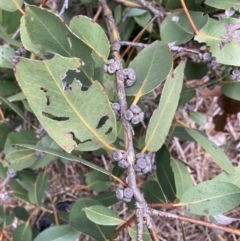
[(126, 71), (141, 162), (135, 109), (110, 61), (117, 156), (111, 69), (128, 200), (141, 116), (148, 160), (105, 68), (135, 120), (123, 164), (147, 169), (119, 193), (140, 155), (132, 76), (116, 106), (129, 82), (128, 115), (117, 114), (128, 192), (137, 168)]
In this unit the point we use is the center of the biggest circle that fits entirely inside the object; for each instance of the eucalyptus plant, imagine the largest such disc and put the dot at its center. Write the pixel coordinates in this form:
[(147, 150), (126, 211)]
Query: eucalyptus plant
[(85, 77)]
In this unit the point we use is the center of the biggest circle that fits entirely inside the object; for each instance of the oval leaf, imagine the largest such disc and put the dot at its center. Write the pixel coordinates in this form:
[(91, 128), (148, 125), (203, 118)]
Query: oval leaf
[(224, 4), (103, 216), (37, 193), (72, 117), (183, 180), (151, 66), (23, 232), (223, 39), (11, 5), (212, 149), (78, 216), (59, 233), (161, 119), (91, 34), (211, 198)]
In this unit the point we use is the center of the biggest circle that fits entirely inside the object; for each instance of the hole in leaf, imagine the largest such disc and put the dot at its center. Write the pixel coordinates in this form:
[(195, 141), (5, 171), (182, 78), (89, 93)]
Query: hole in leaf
[(102, 121), (43, 89), (77, 140), (53, 117), (48, 100), (109, 131)]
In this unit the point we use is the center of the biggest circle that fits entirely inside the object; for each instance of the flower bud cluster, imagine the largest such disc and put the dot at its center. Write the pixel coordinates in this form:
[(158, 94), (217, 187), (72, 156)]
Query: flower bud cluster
[(121, 159), (124, 194), (235, 74), (116, 109), (134, 114), (111, 66), (129, 77), (143, 164)]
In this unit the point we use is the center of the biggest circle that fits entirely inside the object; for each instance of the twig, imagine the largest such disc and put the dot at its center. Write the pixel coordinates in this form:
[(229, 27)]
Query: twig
[(128, 3), (97, 14), (196, 221), (138, 36), (131, 175), (156, 12), (132, 44)]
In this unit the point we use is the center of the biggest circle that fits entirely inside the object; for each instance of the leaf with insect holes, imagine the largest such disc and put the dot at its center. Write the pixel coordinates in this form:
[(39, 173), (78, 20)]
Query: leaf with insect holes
[(224, 4), (11, 5), (75, 119), (49, 34), (223, 39), (162, 117)]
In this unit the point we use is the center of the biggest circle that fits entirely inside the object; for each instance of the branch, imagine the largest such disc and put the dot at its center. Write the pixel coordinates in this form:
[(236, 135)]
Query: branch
[(196, 221)]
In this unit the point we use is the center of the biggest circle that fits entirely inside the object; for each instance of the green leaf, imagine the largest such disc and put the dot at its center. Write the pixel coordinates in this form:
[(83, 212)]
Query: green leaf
[(224, 4), (23, 232), (231, 178), (107, 199), (183, 180), (18, 191), (68, 157), (211, 198), (21, 159), (231, 90), (181, 31), (4, 130), (136, 12), (103, 216), (37, 192), (224, 47), (15, 108), (219, 157), (5, 218), (10, 21), (78, 216), (181, 133), (58, 233), (21, 213), (26, 41), (198, 117), (153, 192), (165, 173), (92, 35), (186, 95), (73, 119), (3, 171), (7, 38), (143, 20), (151, 66), (11, 5), (133, 233), (7, 87), (5, 53), (49, 31), (161, 119), (97, 181)]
